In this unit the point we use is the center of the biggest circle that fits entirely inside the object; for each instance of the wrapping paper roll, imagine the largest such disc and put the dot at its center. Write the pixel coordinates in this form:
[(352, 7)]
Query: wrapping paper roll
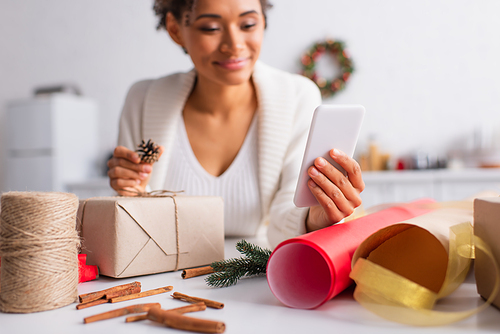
[(417, 248), (306, 271), (401, 271)]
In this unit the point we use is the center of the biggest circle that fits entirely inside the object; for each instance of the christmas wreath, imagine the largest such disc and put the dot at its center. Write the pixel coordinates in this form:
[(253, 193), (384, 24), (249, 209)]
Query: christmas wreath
[(328, 87)]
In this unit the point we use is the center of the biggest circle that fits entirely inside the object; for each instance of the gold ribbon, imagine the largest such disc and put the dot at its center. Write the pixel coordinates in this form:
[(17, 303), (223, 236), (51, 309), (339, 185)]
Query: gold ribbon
[(398, 299)]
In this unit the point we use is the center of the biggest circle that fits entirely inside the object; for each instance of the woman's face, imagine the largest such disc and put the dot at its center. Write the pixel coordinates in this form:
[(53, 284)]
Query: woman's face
[(223, 38)]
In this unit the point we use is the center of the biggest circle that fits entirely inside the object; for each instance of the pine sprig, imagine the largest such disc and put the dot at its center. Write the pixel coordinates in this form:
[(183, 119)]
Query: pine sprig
[(254, 252), (230, 264), (228, 272), (222, 279)]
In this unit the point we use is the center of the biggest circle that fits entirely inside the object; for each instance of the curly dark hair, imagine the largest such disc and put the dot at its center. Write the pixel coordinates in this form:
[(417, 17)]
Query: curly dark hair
[(178, 7)]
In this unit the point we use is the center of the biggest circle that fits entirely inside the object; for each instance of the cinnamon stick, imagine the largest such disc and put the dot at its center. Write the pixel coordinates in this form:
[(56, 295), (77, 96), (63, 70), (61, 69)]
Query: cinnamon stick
[(190, 308), (184, 309), (92, 303), (134, 318), (139, 308), (107, 297), (194, 272), (191, 299), (121, 293), (88, 297), (142, 294), (179, 321)]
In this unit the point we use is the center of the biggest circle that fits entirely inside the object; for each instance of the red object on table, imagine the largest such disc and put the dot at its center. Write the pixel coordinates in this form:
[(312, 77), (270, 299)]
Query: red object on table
[(306, 271), (86, 272)]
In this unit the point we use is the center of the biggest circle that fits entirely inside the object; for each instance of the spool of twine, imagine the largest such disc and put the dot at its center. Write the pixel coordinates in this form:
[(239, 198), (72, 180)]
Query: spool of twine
[(39, 250)]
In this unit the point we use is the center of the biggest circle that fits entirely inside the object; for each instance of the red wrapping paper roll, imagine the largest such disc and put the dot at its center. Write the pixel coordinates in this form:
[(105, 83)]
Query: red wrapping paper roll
[(306, 271)]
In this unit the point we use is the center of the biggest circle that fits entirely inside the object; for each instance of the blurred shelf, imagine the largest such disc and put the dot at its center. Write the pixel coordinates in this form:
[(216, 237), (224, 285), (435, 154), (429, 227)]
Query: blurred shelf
[(440, 184)]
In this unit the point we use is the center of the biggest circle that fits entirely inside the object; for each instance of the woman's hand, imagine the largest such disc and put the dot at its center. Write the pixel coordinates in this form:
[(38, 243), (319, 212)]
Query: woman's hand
[(337, 194), (127, 175)]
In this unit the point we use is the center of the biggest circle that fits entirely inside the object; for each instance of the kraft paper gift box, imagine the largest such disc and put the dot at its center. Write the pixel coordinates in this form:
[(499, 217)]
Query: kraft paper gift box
[(132, 236), (487, 227)]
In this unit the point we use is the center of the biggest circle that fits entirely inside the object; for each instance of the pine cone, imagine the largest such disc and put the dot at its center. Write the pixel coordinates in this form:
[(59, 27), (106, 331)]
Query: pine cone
[(148, 152)]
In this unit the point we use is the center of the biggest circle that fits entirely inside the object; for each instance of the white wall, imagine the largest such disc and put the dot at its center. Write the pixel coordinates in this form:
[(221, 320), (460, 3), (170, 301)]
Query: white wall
[(427, 71)]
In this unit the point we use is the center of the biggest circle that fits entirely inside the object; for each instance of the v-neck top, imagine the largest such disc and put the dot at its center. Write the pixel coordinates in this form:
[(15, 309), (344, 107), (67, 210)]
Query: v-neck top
[(238, 185)]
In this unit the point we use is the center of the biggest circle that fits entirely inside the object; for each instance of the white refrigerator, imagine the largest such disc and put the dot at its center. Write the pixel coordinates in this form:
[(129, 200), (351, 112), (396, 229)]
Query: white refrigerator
[(51, 142)]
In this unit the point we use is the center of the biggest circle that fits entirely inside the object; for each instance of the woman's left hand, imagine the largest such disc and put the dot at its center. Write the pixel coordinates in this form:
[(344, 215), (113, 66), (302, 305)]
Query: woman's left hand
[(338, 195)]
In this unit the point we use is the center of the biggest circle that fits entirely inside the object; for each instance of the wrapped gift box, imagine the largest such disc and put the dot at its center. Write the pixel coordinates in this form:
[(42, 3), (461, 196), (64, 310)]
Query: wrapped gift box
[(131, 236), (487, 227)]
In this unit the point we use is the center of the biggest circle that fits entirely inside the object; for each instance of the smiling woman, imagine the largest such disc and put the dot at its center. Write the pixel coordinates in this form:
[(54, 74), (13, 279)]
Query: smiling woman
[(232, 127)]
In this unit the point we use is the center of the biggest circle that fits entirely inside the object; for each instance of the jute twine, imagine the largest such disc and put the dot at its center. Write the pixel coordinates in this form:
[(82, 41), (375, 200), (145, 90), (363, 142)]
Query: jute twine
[(39, 250)]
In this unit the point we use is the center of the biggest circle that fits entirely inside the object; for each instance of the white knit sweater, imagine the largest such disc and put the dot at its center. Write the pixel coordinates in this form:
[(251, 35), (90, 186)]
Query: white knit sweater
[(238, 185), (285, 106)]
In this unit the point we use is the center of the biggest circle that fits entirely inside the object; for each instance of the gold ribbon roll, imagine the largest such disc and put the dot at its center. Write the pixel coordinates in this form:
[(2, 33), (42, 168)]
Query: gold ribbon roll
[(395, 291)]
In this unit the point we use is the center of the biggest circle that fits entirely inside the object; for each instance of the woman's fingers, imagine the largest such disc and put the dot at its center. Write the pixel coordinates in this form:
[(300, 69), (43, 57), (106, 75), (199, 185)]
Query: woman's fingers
[(119, 184), (336, 193), (123, 164), (127, 172), (331, 211), (120, 179), (333, 177), (329, 195), (351, 167), (125, 153)]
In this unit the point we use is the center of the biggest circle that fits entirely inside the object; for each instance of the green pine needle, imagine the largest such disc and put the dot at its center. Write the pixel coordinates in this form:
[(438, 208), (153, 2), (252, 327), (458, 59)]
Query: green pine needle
[(254, 252), (228, 272), (230, 264), (222, 279)]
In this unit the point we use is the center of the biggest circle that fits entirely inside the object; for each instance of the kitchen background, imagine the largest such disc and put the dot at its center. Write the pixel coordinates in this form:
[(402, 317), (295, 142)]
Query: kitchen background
[(427, 71)]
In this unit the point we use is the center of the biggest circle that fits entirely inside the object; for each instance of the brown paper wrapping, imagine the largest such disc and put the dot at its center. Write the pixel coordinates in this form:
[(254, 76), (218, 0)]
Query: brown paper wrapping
[(487, 227), (132, 236)]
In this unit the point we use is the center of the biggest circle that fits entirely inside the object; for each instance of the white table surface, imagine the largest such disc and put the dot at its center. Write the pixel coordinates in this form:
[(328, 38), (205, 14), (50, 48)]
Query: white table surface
[(250, 307)]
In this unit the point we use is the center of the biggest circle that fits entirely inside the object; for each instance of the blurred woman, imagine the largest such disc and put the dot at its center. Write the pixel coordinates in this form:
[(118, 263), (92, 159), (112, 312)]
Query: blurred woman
[(231, 127)]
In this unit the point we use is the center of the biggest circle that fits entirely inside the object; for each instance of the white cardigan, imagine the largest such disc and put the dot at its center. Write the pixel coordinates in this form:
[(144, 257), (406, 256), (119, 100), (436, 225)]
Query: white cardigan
[(285, 106)]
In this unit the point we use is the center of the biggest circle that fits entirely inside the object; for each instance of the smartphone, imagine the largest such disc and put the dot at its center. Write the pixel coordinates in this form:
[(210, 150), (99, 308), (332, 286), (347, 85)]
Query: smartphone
[(332, 126)]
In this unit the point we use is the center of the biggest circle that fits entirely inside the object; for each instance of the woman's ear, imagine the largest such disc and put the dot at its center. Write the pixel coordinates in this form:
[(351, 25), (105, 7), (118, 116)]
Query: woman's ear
[(174, 29)]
